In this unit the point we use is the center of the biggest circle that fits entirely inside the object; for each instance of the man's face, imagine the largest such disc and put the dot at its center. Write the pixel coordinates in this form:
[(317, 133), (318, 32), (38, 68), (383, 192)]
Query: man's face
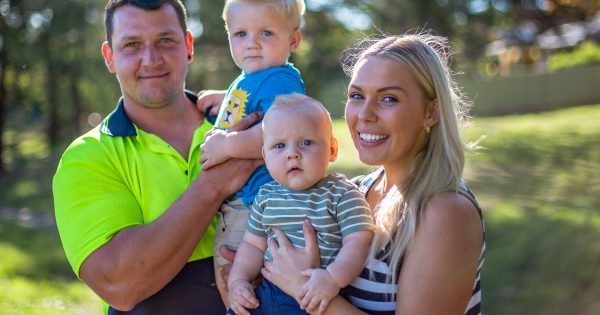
[(150, 54)]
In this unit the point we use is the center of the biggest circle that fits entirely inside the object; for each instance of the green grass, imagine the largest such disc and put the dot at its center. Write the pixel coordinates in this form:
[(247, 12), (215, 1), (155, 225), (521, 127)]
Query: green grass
[(35, 277), (537, 178)]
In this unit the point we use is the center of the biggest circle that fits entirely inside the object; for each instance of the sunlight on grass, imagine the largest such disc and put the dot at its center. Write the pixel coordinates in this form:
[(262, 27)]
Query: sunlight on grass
[(12, 260), (538, 180), (35, 277), (19, 295)]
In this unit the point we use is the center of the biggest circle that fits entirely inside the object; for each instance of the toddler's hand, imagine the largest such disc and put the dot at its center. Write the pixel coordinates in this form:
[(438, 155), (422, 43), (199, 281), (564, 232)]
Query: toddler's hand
[(210, 99), (214, 148), (318, 291), (241, 297)]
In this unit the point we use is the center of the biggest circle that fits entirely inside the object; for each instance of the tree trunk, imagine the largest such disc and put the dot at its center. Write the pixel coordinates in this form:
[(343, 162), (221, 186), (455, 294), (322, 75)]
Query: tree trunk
[(52, 82), (76, 100), (3, 105)]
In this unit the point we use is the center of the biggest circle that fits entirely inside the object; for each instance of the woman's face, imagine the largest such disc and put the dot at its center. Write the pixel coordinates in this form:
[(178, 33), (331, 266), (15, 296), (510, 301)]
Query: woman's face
[(386, 112)]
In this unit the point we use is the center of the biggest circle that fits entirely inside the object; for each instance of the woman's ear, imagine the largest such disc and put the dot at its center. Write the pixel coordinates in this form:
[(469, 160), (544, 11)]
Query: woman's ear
[(432, 115)]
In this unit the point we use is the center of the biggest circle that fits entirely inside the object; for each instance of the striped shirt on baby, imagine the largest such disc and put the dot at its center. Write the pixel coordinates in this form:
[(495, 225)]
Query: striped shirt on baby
[(334, 205)]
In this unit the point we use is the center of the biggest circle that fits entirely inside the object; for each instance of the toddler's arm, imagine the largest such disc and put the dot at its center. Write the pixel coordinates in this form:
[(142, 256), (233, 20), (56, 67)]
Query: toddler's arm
[(220, 146), (246, 266), (210, 99), (324, 285)]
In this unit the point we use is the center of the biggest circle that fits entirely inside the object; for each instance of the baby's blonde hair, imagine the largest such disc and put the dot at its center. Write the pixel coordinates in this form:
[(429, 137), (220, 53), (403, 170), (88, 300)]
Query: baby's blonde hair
[(291, 10), (288, 102)]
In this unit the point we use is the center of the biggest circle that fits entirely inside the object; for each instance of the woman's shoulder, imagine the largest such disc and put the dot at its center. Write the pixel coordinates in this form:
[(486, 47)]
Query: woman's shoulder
[(364, 182), (452, 214)]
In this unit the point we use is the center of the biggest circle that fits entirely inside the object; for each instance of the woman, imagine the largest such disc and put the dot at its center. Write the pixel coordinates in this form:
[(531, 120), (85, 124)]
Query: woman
[(403, 112)]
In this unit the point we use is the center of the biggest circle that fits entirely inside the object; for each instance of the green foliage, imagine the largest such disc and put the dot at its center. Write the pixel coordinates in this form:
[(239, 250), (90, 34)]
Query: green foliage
[(588, 53)]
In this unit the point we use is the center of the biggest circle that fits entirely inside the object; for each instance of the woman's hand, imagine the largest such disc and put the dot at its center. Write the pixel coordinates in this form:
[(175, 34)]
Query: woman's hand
[(289, 261)]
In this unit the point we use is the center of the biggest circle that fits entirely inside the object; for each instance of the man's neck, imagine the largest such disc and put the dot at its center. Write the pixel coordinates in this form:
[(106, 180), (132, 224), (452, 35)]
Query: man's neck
[(175, 123)]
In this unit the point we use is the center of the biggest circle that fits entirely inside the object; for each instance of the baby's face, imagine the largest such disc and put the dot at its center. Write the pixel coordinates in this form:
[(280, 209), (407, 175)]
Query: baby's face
[(259, 37), (298, 147)]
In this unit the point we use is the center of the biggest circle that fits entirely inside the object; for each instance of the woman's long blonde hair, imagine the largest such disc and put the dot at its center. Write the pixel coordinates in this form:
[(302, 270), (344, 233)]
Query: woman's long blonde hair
[(438, 166)]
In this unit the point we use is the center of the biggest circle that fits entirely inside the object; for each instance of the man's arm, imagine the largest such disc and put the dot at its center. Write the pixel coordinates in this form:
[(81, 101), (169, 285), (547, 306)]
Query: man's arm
[(140, 260)]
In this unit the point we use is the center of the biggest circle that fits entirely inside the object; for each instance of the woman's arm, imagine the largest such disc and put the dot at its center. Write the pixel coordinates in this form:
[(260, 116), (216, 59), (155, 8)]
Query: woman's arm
[(440, 266)]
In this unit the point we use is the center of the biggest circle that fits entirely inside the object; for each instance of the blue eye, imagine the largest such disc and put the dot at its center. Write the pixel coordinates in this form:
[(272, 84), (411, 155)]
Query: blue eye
[(266, 33), (240, 34), (355, 96), (280, 146), (132, 45), (390, 99), (307, 142)]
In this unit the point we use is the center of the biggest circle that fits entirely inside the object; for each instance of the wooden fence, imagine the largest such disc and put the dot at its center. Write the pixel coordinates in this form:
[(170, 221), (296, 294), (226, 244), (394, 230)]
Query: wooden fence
[(534, 93)]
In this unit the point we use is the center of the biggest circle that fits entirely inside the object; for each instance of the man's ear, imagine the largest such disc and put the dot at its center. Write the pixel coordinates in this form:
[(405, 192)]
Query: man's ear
[(296, 39), (189, 46), (108, 57), (432, 115), (333, 150)]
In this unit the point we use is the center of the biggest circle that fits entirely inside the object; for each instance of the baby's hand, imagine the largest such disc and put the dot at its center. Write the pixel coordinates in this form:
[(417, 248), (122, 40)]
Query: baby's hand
[(214, 148), (318, 291), (241, 297), (210, 99)]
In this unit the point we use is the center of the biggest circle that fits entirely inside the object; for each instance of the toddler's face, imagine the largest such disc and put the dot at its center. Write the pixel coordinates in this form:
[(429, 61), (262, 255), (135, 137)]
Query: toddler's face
[(298, 147), (259, 38)]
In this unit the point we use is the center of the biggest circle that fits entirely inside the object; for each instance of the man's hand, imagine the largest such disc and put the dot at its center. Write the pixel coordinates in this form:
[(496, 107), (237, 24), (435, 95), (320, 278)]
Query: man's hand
[(210, 99), (223, 275)]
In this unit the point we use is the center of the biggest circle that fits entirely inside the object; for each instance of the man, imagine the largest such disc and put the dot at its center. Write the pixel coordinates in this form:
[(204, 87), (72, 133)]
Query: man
[(134, 214)]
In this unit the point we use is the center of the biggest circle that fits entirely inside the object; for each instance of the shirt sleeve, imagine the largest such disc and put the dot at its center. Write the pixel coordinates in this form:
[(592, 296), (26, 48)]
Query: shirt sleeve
[(91, 201), (353, 213), (280, 83), (255, 225)]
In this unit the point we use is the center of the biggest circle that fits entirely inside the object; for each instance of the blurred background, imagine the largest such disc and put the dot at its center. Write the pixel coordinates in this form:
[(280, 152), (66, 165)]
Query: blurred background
[(531, 68)]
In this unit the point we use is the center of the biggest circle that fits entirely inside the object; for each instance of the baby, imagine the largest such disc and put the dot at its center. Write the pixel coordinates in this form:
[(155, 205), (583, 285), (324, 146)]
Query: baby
[(298, 146)]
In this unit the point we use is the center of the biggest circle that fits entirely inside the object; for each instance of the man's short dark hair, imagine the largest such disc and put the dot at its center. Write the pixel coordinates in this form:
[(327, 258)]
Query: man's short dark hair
[(112, 5)]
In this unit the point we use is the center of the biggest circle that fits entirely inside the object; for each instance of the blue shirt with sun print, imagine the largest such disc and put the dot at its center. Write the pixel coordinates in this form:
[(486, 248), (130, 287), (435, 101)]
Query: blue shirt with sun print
[(256, 92)]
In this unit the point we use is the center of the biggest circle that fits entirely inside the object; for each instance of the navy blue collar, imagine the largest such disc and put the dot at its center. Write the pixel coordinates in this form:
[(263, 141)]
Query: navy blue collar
[(118, 123)]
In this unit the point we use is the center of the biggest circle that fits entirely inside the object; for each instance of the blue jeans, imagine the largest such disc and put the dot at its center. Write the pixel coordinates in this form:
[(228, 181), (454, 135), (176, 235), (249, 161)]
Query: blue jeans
[(273, 301)]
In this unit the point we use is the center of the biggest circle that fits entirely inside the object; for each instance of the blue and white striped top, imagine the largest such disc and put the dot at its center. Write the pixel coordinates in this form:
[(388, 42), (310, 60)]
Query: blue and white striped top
[(373, 295)]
